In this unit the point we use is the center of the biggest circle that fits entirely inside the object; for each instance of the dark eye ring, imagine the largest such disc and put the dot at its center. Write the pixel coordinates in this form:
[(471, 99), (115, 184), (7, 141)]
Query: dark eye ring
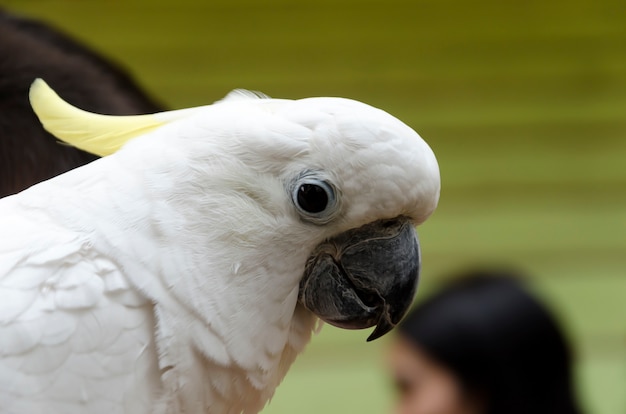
[(314, 198)]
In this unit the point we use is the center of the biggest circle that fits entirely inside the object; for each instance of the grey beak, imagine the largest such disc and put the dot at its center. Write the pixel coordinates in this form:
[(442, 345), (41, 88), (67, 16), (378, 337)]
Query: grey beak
[(364, 277)]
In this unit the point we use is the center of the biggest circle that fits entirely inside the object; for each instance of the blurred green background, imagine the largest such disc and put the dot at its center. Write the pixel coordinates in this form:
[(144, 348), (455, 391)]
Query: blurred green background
[(524, 104)]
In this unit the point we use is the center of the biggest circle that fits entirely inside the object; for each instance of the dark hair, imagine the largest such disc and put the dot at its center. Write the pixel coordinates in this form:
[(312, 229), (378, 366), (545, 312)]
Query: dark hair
[(30, 50), (499, 341)]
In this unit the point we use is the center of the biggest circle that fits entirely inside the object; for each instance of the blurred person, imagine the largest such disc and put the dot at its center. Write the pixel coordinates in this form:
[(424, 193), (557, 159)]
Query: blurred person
[(30, 49), (483, 345)]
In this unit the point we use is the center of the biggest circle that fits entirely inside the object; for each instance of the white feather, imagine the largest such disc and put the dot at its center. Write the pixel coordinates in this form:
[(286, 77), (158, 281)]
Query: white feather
[(243, 94)]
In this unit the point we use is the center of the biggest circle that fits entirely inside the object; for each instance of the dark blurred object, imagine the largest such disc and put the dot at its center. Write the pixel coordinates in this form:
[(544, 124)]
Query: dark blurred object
[(30, 49), (499, 342)]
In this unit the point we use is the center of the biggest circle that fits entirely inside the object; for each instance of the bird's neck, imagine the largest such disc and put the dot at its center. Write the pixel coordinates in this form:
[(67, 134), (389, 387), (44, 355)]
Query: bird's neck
[(224, 289)]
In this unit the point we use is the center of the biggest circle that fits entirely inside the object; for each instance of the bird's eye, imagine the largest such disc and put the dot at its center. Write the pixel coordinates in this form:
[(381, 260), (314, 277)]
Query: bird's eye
[(314, 198)]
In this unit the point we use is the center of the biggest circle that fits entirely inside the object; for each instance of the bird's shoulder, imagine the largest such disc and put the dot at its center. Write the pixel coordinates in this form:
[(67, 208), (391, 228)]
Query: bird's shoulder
[(74, 334)]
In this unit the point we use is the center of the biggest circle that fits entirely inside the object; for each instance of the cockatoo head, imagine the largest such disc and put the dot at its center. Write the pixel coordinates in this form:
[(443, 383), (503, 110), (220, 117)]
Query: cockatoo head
[(336, 184)]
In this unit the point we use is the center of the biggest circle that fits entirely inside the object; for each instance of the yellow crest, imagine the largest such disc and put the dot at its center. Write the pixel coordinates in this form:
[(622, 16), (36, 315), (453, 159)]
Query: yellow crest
[(98, 134)]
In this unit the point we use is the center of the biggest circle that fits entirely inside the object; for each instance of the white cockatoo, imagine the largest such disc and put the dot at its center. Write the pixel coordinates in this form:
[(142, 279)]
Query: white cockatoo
[(185, 271)]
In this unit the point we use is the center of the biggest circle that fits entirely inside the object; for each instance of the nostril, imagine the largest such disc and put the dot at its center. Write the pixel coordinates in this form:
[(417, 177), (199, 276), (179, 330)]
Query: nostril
[(389, 223)]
